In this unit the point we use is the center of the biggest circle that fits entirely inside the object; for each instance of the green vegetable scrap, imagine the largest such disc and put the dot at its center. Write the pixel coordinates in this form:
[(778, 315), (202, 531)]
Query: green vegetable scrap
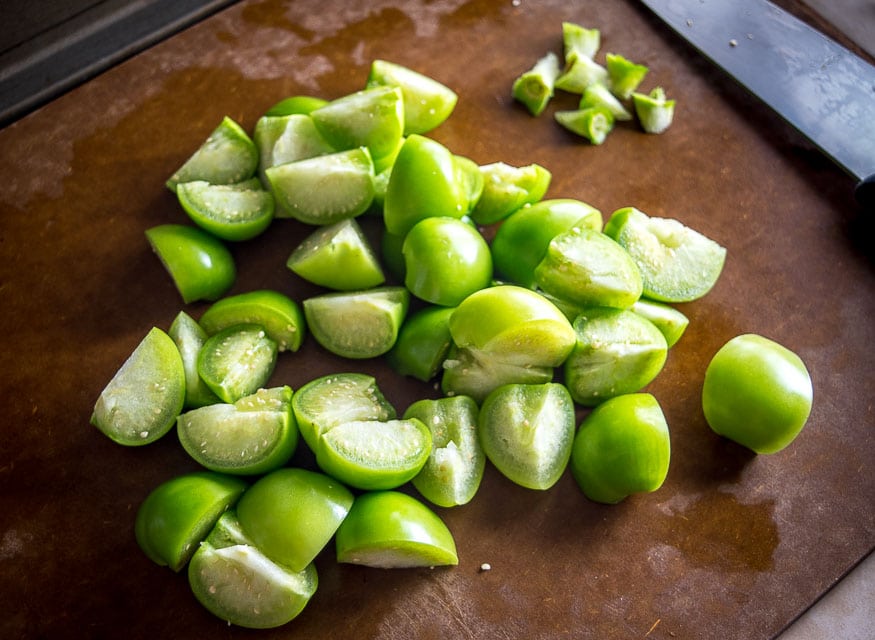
[(580, 41), (534, 88), (655, 111), (580, 72), (624, 75), (598, 95), (593, 123), (608, 91)]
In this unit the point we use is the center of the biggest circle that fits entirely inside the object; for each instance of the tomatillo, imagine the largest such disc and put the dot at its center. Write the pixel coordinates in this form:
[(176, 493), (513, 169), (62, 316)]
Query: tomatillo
[(514, 324), (617, 352), (757, 393), (290, 514), (477, 373), (454, 469), (374, 454), (622, 447), (390, 529), (423, 343), (335, 399), (586, 267), (189, 337), (235, 581), (141, 401), (178, 514), (425, 181), (522, 239), (279, 315), (527, 430), (201, 266), (445, 260)]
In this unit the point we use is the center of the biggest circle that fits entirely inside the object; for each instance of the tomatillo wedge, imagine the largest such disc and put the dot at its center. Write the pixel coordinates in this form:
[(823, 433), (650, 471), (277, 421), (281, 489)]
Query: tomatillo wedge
[(654, 110), (234, 212), (677, 264), (527, 431), (507, 188), (228, 155), (423, 343), (254, 435), (282, 139), (471, 181), (757, 393), (671, 322), (327, 401), (578, 40), (189, 337), (374, 454), (427, 102), (179, 513), (141, 401), (580, 71), (339, 257), (516, 325), (237, 361), (295, 105), (391, 530), (617, 352), (599, 95), (279, 315), (622, 447), (202, 268), (586, 267), (357, 324), (371, 118), (445, 260), (238, 583), (383, 165), (476, 373), (425, 181), (291, 514), (521, 241), (454, 469), (381, 181), (324, 189)]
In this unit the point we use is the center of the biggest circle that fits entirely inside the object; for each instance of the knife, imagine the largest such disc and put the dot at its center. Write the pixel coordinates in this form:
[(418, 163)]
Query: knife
[(815, 84)]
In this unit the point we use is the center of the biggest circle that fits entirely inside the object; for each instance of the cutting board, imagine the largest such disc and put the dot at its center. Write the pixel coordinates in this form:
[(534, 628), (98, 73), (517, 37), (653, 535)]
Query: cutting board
[(733, 545)]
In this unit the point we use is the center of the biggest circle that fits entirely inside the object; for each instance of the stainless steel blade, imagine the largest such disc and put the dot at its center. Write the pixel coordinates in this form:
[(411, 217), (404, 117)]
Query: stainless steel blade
[(818, 86)]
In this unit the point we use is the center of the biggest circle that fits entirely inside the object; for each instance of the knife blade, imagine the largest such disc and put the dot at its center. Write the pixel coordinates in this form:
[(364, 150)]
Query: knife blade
[(818, 86)]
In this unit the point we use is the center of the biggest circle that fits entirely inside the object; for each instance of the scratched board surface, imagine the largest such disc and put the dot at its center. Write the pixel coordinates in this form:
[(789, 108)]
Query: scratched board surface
[(733, 545)]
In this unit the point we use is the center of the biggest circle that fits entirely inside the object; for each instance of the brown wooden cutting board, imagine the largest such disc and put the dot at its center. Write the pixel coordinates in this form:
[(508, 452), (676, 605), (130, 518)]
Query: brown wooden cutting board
[(732, 546)]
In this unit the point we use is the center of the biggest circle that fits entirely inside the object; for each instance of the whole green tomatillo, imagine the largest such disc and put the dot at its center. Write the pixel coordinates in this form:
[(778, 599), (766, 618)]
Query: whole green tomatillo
[(757, 393)]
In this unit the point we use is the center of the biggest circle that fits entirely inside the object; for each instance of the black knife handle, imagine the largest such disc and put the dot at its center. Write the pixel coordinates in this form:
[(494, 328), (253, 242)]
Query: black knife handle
[(865, 194)]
